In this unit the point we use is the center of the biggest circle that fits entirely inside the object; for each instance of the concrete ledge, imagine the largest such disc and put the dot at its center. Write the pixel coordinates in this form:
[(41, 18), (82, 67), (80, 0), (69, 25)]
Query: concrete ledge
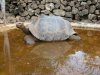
[(76, 25), (86, 26)]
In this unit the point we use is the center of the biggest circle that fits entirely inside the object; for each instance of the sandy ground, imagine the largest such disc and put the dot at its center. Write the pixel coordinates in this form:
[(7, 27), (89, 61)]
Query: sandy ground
[(76, 25)]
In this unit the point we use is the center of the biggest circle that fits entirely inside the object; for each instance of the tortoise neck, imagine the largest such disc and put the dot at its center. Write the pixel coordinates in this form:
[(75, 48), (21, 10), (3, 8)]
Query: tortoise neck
[(26, 30)]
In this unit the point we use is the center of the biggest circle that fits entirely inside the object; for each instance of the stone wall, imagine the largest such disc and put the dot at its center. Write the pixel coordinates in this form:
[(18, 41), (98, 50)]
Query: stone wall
[(80, 10)]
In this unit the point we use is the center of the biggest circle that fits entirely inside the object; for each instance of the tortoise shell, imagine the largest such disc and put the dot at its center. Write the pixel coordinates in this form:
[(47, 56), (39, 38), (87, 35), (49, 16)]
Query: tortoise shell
[(51, 28)]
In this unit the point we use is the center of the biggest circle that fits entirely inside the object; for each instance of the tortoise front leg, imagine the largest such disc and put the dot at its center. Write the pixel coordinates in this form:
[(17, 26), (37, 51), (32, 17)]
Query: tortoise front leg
[(29, 40)]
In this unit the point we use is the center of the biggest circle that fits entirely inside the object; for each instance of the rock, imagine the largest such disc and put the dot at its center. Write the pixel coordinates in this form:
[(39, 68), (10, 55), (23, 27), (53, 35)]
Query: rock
[(68, 14), (21, 1), (80, 13), (97, 12), (27, 18), (59, 12), (25, 13), (9, 14), (69, 19), (15, 11), (62, 6), (49, 6), (91, 16), (72, 3), (26, 1), (20, 8), (82, 0), (94, 21), (46, 12), (23, 4), (51, 14), (87, 6), (63, 2), (98, 17), (37, 11), (49, 1), (98, 6), (77, 4), (83, 3), (68, 8), (29, 6), (52, 1), (17, 18), (37, 2), (11, 19), (34, 19), (74, 10), (29, 0), (80, 8), (94, 1), (92, 9), (86, 21), (85, 11), (57, 5), (34, 6), (89, 2), (31, 12), (98, 22), (22, 19), (41, 6), (56, 1), (98, 1), (14, 1), (43, 2), (77, 17)]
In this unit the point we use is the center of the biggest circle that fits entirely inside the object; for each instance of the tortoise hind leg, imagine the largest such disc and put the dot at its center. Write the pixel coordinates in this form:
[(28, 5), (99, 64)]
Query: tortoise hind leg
[(75, 37)]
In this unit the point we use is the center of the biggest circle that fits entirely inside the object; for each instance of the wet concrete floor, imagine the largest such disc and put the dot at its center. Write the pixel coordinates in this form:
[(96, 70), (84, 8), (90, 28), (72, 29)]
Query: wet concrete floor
[(52, 58)]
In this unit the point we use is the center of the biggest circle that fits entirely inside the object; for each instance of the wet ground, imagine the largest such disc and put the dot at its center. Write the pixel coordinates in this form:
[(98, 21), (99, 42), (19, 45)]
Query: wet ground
[(52, 58)]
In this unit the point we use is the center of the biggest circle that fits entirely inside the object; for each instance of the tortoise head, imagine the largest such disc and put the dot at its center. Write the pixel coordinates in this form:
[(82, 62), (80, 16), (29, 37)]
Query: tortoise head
[(20, 25)]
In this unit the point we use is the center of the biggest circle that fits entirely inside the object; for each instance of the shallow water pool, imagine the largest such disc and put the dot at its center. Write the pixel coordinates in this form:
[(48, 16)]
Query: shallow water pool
[(52, 58)]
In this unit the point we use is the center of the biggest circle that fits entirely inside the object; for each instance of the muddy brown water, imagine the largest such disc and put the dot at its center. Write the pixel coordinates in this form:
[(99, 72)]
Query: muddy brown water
[(52, 58)]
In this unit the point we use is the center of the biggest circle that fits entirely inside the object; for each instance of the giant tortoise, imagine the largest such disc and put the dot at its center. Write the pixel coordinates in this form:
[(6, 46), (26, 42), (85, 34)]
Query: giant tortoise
[(48, 28)]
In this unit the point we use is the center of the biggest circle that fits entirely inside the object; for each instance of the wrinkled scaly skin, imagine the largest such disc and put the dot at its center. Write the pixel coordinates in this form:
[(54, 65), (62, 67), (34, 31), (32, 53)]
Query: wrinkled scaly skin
[(75, 37), (30, 39)]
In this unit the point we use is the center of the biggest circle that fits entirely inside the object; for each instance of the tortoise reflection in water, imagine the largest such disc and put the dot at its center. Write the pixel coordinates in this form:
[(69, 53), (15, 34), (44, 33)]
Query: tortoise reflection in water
[(48, 28), (51, 50)]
